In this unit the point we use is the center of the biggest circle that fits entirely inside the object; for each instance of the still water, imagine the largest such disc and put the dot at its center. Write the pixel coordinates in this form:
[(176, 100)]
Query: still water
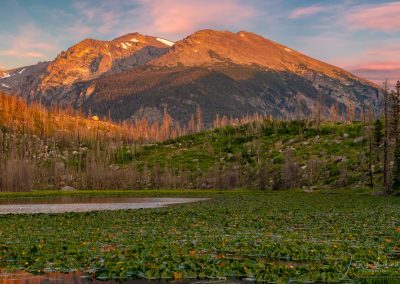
[(84, 204), (22, 277)]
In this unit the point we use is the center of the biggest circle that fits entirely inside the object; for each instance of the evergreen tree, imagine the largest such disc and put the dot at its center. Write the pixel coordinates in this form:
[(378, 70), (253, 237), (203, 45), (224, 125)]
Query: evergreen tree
[(378, 132), (396, 169)]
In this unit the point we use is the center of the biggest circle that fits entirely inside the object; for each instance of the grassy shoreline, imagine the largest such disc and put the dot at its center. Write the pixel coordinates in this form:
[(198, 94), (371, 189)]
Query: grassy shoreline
[(168, 192), (101, 193)]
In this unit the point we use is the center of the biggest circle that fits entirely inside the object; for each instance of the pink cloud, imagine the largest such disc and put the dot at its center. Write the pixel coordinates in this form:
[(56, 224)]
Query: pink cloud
[(28, 42), (306, 11), (378, 71), (382, 17), (375, 64), (21, 54), (182, 16), (163, 17)]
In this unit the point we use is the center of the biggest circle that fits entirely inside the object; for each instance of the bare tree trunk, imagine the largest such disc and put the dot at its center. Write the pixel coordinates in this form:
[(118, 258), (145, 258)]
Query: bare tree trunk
[(371, 173), (385, 142)]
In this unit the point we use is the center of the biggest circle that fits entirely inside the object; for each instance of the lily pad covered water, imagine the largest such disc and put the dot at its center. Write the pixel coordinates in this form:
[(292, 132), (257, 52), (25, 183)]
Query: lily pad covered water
[(281, 237)]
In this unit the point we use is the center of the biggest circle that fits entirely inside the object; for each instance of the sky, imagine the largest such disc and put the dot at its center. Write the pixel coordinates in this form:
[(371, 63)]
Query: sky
[(362, 36)]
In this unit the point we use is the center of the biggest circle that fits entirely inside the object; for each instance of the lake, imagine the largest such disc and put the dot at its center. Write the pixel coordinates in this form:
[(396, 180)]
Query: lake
[(85, 204)]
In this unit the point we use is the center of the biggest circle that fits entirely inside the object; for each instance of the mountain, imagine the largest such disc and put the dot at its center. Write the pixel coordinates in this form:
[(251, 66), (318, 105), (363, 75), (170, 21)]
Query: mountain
[(24, 80), (89, 59), (225, 73)]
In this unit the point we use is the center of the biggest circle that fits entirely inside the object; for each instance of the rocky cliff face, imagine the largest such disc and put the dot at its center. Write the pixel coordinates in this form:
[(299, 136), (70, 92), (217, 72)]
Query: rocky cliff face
[(91, 58), (24, 80), (224, 73)]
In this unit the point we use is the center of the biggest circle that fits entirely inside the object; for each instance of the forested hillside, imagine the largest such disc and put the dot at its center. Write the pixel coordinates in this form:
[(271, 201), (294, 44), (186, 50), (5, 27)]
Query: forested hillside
[(55, 148)]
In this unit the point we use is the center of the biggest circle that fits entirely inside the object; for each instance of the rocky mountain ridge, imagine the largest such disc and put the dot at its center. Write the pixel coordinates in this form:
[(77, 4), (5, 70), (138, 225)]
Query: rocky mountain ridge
[(224, 73), (91, 58)]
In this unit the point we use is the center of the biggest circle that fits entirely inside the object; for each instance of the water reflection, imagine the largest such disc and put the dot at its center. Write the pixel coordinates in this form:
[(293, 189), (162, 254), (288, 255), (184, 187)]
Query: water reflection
[(22, 277), (83, 199), (84, 204)]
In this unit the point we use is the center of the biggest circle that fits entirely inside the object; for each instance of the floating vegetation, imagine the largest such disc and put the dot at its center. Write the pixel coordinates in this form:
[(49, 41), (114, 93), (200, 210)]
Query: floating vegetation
[(274, 237)]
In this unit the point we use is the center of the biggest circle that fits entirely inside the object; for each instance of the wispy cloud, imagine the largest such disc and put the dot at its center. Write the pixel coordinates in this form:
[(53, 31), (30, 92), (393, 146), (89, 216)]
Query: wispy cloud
[(163, 17), (27, 42), (182, 16), (379, 72), (307, 11), (381, 17), (376, 64)]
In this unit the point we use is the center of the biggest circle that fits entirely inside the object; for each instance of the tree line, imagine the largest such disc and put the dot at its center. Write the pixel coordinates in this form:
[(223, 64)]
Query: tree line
[(54, 147)]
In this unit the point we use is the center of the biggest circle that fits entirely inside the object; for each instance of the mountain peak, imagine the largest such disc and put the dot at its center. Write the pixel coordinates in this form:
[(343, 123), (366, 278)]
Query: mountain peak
[(207, 47), (91, 58), (137, 38), (210, 47)]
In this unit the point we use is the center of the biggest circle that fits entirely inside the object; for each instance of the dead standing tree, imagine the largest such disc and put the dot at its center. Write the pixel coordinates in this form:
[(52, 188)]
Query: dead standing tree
[(386, 184), (396, 134)]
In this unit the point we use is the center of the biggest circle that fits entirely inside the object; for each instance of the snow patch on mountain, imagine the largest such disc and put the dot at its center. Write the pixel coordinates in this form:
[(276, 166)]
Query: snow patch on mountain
[(124, 46), (134, 40), (166, 42), (20, 72), (6, 75), (6, 86), (288, 50)]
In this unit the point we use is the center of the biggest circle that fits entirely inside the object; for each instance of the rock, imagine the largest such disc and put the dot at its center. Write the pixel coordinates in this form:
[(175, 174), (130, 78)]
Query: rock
[(90, 90), (359, 139), (340, 159), (114, 167), (311, 189), (345, 135), (95, 118), (249, 279), (68, 188), (303, 167), (150, 145)]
